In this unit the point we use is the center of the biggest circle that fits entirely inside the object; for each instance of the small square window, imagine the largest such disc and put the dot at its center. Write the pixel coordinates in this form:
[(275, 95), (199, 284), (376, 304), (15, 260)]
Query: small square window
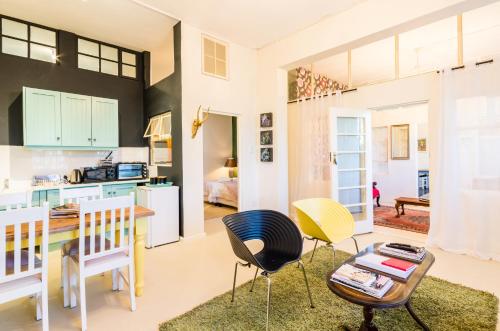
[(14, 47), (128, 58), (43, 53), (214, 58), (14, 29), (109, 53), (88, 62), (88, 47), (128, 71), (43, 36), (109, 67)]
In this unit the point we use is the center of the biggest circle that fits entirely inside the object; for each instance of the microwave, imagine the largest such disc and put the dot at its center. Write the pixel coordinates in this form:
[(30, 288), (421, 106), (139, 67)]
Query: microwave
[(131, 170), (98, 174)]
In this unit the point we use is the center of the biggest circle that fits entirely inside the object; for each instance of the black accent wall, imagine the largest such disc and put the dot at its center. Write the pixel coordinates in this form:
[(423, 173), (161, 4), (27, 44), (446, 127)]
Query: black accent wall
[(166, 95), (16, 72)]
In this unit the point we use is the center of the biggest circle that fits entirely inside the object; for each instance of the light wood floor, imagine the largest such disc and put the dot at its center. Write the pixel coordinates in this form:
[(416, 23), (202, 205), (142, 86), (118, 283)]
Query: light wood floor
[(212, 211), (180, 276)]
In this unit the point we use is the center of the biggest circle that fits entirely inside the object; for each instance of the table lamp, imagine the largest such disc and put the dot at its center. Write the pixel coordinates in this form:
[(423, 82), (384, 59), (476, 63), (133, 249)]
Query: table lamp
[(231, 164)]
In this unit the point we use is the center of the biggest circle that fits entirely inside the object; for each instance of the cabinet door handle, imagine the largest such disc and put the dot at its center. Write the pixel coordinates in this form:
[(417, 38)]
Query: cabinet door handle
[(58, 138), (90, 139), (95, 139)]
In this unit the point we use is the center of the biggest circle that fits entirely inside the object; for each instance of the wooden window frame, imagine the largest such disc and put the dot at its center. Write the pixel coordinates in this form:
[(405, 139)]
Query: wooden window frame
[(28, 40), (216, 41)]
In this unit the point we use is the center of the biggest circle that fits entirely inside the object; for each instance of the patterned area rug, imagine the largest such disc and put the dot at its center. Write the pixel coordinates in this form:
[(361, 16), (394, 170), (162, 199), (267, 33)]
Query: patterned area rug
[(413, 220)]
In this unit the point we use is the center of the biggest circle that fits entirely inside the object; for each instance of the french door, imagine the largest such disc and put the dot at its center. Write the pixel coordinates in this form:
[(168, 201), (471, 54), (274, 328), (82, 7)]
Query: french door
[(351, 172)]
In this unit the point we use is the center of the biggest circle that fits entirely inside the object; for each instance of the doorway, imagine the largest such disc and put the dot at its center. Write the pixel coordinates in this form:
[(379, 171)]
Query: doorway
[(400, 162), (220, 166)]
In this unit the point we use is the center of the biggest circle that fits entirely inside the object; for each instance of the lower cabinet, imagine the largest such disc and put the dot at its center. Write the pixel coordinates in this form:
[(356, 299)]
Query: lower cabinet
[(118, 190), (109, 191)]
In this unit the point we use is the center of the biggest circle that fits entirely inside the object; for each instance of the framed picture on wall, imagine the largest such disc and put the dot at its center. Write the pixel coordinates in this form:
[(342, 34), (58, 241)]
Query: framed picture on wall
[(266, 154), (400, 142), (266, 137), (266, 120), (422, 145)]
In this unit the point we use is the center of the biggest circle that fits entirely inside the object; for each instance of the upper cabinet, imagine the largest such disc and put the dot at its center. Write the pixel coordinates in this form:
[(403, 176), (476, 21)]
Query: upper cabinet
[(104, 122), (42, 117), (76, 115), (69, 121)]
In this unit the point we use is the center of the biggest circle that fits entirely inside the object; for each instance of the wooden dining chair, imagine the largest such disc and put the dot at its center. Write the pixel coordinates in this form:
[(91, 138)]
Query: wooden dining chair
[(73, 195), (22, 273), (15, 200), (96, 254)]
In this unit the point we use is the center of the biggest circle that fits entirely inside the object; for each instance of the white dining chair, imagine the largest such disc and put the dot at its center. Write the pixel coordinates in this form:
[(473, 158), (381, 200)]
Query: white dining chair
[(15, 200), (22, 273), (73, 195), (96, 254)]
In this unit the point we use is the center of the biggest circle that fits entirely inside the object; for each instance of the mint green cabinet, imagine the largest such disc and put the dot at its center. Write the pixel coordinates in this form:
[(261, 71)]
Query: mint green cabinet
[(69, 121), (76, 120), (118, 190), (104, 122), (41, 117)]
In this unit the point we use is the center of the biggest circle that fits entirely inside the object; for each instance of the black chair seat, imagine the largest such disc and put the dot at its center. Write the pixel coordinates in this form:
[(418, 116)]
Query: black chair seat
[(273, 261)]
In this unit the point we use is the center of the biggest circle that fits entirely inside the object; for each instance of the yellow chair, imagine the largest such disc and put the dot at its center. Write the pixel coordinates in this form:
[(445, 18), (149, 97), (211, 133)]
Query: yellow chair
[(325, 220)]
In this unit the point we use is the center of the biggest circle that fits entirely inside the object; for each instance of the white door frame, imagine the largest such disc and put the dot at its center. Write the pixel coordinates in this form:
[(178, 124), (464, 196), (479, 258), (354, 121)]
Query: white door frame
[(238, 136)]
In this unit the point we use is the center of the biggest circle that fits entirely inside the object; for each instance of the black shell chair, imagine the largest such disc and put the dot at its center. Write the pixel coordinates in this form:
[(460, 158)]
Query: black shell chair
[(282, 245)]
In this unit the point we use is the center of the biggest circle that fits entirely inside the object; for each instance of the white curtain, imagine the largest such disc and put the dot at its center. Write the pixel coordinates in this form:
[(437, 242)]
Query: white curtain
[(309, 147), (465, 162)]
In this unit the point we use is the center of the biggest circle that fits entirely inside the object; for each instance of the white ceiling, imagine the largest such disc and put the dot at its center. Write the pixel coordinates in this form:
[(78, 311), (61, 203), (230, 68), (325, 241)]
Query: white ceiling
[(119, 22), (253, 23)]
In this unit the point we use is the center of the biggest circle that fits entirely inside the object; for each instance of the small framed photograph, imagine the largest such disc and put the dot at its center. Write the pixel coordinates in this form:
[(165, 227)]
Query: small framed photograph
[(266, 154), (266, 120), (400, 142), (266, 137), (422, 145)]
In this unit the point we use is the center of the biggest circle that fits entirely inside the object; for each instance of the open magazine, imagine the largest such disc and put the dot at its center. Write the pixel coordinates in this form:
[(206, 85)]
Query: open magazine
[(362, 280)]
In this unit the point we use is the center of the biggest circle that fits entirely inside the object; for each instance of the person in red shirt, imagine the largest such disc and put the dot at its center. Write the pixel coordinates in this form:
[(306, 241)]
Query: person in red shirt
[(376, 193)]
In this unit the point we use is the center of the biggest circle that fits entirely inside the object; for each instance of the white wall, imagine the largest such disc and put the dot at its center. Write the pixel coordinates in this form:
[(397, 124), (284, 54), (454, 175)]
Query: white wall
[(380, 19), (162, 59), (217, 146), (234, 96), (401, 177)]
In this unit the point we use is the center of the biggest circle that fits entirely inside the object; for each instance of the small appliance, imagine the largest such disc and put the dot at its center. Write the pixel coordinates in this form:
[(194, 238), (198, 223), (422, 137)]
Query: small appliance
[(75, 177), (98, 174), (131, 170)]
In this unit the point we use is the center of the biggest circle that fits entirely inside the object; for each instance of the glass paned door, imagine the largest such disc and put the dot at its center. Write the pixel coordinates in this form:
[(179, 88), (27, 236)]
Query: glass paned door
[(351, 164)]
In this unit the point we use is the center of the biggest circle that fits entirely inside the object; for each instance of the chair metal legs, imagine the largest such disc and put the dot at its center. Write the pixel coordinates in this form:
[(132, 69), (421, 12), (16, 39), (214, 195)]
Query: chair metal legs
[(268, 299), (314, 250), (235, 272), (254, 277), (355, 243), (307, 283)]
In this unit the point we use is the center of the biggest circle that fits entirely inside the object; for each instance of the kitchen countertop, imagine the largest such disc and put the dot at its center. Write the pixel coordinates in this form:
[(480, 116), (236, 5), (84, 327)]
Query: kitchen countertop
[(61, 186)]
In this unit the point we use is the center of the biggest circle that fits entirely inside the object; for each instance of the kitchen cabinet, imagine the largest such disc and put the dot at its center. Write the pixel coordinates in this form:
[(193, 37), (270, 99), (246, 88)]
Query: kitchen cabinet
[(118, 190), (76, 120), (41, 117), (104, 122), (69, 121)]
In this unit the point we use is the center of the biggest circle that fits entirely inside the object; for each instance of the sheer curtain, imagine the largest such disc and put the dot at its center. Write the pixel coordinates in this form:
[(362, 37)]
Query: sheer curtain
[(309, 147), (465, 162)]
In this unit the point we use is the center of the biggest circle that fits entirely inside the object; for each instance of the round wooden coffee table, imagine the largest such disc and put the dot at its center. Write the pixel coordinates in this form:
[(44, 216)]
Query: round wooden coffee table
[(399, 295)]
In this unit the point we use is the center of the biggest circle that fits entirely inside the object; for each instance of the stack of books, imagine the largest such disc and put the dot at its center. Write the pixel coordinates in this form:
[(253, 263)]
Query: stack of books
[(392, 266), (403, 251), (69, 210), (365, 281)]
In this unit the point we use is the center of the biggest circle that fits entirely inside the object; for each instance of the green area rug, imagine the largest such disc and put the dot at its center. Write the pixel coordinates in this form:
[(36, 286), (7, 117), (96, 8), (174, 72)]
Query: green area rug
[(440, 304)]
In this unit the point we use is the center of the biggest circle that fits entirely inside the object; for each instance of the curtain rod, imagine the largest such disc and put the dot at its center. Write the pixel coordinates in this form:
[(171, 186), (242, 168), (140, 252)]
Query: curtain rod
[(463, 66), (321, 96)]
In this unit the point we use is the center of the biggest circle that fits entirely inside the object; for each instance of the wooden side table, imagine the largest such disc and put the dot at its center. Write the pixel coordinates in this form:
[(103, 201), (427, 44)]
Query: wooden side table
[(402, 201)]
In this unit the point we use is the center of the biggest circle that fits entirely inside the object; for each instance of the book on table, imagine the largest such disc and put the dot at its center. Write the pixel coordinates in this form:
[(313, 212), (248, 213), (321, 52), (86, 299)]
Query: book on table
[(392, 266), (411, 253), (365, 281)]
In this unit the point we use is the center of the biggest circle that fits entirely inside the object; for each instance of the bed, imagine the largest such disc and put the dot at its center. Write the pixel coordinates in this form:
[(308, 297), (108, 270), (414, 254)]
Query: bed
[(222, 191)]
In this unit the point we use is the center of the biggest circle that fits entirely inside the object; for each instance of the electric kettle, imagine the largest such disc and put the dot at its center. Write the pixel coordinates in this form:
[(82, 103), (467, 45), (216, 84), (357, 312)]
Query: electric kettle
[(75, 177)]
